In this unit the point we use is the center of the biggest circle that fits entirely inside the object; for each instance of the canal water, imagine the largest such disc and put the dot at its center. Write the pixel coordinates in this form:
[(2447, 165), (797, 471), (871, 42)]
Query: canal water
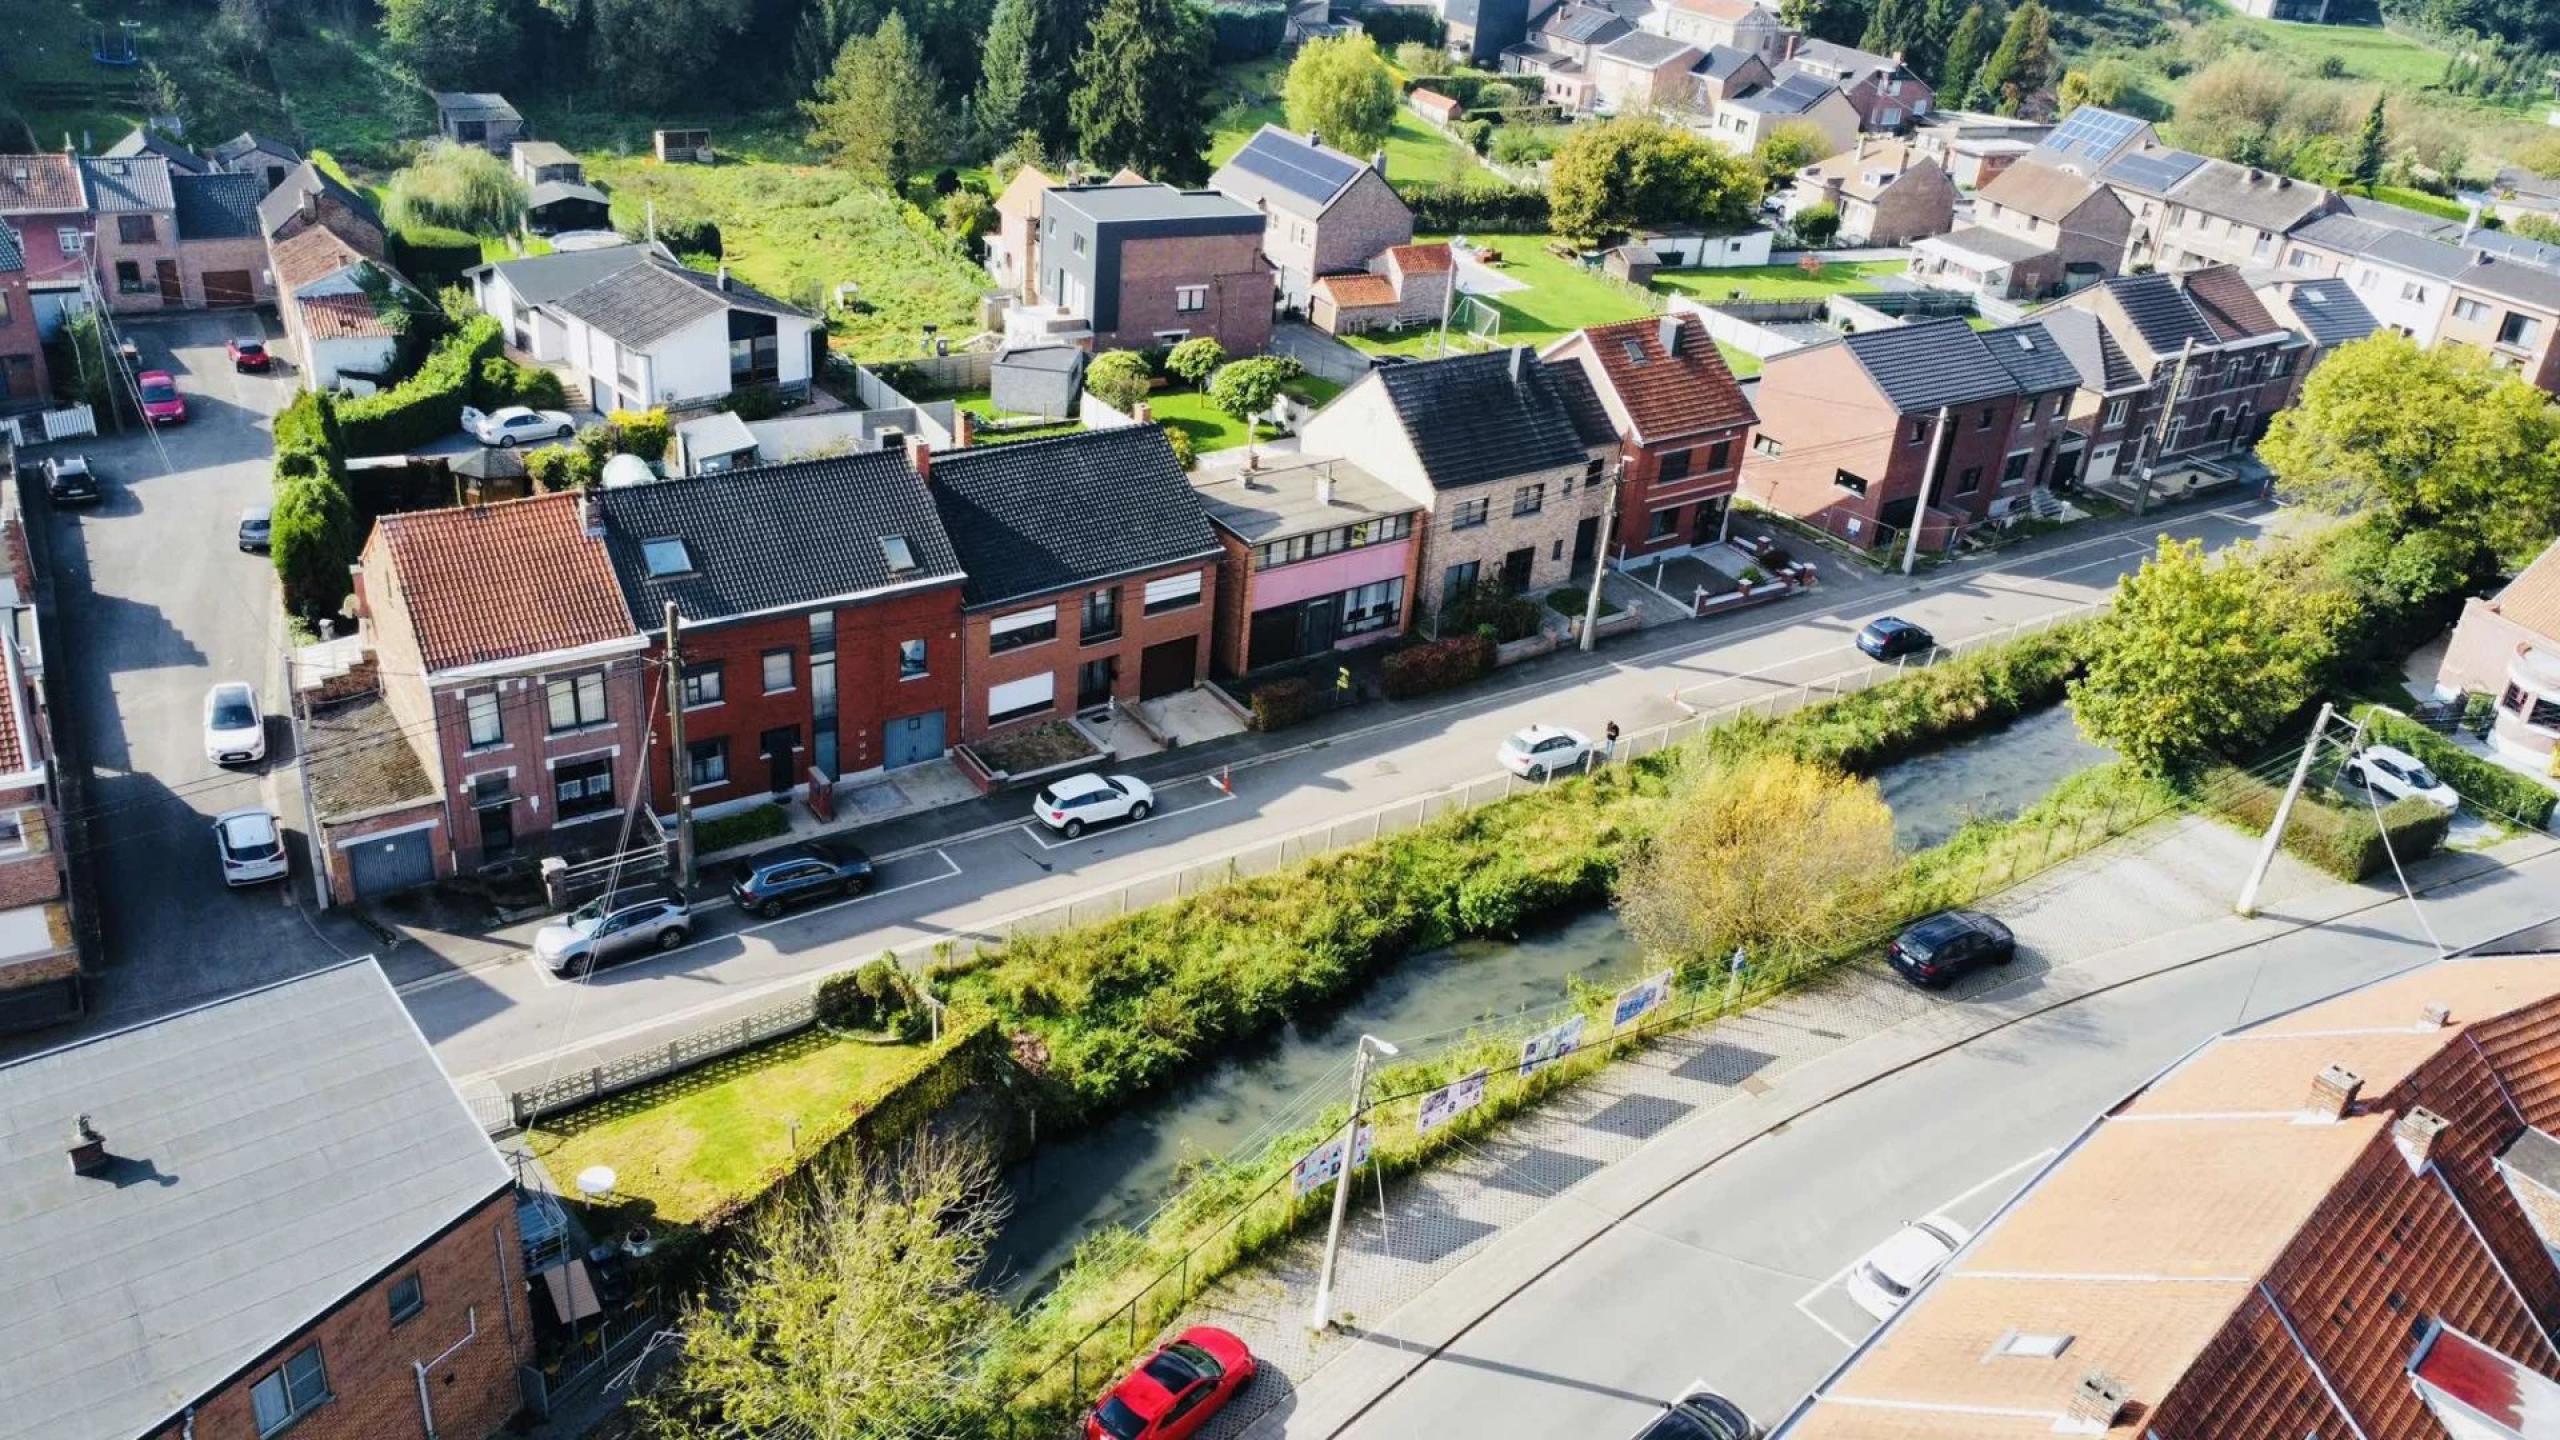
[(1991, 776)]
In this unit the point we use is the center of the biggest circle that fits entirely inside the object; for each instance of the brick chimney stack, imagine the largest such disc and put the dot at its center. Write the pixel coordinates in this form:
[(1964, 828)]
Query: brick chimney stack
[(2415, 1133), (2435, 1017), (2333, 1094), (2095, 1403), (964, 429), (920, 457)]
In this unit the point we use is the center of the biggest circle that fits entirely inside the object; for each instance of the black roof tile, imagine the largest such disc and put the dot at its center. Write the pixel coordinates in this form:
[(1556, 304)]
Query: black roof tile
[(2160, 312), (219, 206), (1472, 423), (1041, 515), (1936, 362)]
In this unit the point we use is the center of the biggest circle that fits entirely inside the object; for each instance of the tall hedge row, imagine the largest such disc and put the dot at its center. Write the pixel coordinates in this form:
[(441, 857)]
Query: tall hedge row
[(1444, 209), (428, 405)]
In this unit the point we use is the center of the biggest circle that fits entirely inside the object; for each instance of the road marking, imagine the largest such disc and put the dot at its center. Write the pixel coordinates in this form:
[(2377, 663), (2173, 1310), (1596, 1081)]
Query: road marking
[(1804, 1302), (1038, 829)]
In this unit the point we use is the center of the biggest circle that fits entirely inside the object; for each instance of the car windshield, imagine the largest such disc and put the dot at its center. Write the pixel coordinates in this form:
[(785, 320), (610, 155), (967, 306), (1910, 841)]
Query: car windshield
[(249, 836), (232, 712), (2423, 778), (156, 391), (1201, 1361), (253, 347), (1118, 1419), (1173, 1369), (1875, 1276)]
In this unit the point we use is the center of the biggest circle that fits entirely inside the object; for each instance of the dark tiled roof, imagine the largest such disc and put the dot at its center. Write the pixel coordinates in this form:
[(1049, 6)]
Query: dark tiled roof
[(1721, 61), (1848, 60), (1934, 363), (1792, 95), (2340, 232), (2162, 316), (1591, 422), (363, 762), (13, 255), (2510, 280), (1585, 24), (541, 279), (2326, 310), (1667, 394), (2093, 352), (639, 305), (1646, 50), (249, 142), (2419, 254), (127, 184), (2033, 358), (486, 583), (1471, 422), (217, 206), (1041, 515), (285, 201), (39, 184), (142, 140)]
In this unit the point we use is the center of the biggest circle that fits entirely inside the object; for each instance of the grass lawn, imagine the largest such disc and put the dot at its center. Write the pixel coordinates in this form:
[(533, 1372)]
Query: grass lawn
[(1415, 150), (1189, 411), (977, 403), (2368, 51), (1561, 297), (687, 1144), (1776, 282)]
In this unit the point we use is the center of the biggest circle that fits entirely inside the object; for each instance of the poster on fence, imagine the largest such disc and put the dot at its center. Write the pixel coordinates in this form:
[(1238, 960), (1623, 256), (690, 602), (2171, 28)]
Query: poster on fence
[(1322, 1165), (1449, 1102), (1642, 999), (1550, 1045)]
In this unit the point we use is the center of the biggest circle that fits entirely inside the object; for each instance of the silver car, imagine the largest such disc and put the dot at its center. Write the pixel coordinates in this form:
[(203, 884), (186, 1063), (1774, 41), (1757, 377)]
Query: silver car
[(613, 928), (251, 846)]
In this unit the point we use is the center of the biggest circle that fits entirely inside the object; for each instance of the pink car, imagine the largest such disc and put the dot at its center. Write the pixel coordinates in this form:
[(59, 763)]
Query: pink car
[(161, 402)]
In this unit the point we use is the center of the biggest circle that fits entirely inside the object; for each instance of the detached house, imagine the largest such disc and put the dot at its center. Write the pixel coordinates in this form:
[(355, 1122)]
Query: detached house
[(634, 329), (1682, 423), (41, 198), (1886, 193), (1883, 90), (1741, 25), (1133, 267), (1325, 212), (137, 231), (2038, 230)]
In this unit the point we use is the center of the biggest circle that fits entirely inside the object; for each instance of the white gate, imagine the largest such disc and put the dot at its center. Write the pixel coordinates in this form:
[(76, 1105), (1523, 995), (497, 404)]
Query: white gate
[(52, 425)]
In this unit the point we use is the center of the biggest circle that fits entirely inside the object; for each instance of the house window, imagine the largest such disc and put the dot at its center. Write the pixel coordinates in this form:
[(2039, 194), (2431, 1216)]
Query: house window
[(707, 763), (2519, 330), (292, 1390), (1983, 421), (1175, 592), (2116, 411), (1023, 627), (1662, 524), (2258, 249), (1850, 481), (1101, 616), (408, 1297), (1457, 580), (1372, 607), (1190, 299), (582, 787), (480, 718), (1919, 432), (1469, 514), (13, 832), (1719, 456), (1016, 699), (2016, 470), (662, 558), (134, 229), (755, 360), (576, 702), (2468, 309), (1077, 245), (703, 684), (2278, 366), (2413, 292), (70, 241), (1674, 466), (1529, 500), (1970, 480), (1763, 445), (129, 278), (777, 671), (911, 658)]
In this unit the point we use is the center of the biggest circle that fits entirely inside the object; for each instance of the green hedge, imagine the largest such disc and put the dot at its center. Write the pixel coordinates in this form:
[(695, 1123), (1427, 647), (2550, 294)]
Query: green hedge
[(2341, 840), (1440, 208), (504, 382), (427, 406), (1435, 665), (745, 827), (1928, 707), (432, 255), (309, 426), (1284, 703), (2484, 783)]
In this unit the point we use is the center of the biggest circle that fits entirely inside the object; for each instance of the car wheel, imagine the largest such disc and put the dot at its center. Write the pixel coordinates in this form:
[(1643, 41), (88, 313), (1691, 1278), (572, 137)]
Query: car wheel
[(583, 966), (771, 909), (671, 937), (506, 442), (1074, 828), (2005, 954), (1538, 773), (564, 432), (1139, 810), (2353, 775)]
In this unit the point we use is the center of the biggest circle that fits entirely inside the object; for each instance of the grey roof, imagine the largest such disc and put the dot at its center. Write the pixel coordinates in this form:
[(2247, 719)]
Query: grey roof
[(2094, 353), (1936, 362), (774, 536), (2344, 233), (143, 140), (2265, 199), (13, 255), (250, 142), (1041, 515), (541, 279), (1721, 61), (126, 184), (1584, 24), (1591, 422), (552, 192), (1848, 60), (2418, 253), (2089, 137), (2394, 217), (1272, 504), (2162, 315), (219, 206), (1125, 203), (2510, 280), (2033, 357), (1037, 379), (2534, 1154), (1289, 170), (475, 105), (1992, 244), (2153, 170), (640, 305), (2515, 247), (1471, 423), (544, 152), (1792, 95), (283, 201), (2326, 310), (722, 432), (1645, 50), (362, 762), (271, 1153)]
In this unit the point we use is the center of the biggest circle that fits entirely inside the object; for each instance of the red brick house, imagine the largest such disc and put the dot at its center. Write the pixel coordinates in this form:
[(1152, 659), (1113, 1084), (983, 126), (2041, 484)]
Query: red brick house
[(1320, 556), (39, 958), (42, 199), (819, 610), (1683, 427), (1092, 573), (268, 1213), (23, 382)]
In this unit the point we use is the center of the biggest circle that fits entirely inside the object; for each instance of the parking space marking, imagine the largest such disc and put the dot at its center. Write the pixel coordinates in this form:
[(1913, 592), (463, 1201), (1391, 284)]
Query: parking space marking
[(1804, 1302), (1038, 830)]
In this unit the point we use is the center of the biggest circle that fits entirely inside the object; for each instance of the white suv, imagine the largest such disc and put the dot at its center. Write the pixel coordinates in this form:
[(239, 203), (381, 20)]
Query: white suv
[(1081, 800), (251, 846), (1543, 750), (1885, 1278), (2398, 775)]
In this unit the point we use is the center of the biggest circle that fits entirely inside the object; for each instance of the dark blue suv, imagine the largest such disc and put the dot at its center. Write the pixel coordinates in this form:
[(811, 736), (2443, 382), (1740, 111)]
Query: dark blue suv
[(1893, 637), (784, 876)]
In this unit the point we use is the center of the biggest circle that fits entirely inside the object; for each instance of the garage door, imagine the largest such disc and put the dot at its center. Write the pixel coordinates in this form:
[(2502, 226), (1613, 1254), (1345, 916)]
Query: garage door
[(913, 739), (1165, 668), (383, 865), (229, 287)]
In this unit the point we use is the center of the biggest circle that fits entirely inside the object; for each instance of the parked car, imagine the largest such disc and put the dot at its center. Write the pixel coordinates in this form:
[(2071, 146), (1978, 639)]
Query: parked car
[(2396, 774), (1949, 945), (248, 354), (1175, 1391), (1543, 750), (773, 880), (614, 927), (257, 527), (235, 729), (68, 480), (161, 402), (1885, 1278), (1702, 1414), (516, 424), (1892, 637), (1081, 800), (251, 846)]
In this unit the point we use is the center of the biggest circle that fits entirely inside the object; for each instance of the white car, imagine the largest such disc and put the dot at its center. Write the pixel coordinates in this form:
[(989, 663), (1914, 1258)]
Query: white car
[(517, 425), (251, 846), (1882, 1281), (235, 729), (1081, 800), (2398, 775), (1543, 750)]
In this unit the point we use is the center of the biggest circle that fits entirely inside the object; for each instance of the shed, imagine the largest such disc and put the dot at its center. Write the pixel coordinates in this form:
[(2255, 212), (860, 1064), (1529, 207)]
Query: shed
[(1691, 247), (1042, 380), (686, 147), (559, 205), (480, 118), (712, 443), (1634, 264), (1435, 107)]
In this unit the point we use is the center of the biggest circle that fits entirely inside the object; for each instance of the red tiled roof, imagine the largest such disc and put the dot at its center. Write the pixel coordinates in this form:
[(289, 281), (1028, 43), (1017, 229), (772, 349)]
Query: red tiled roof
[(13, 748), (343, 317), (52, 183), (2228, 303), (310, 255), (495, 582), (1667, 395), (1423, 259), (1354, 292), (2532, 599)]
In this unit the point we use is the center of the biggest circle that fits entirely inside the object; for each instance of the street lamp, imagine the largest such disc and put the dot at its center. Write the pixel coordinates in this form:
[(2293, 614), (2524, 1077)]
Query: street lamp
[(1323, 1312)]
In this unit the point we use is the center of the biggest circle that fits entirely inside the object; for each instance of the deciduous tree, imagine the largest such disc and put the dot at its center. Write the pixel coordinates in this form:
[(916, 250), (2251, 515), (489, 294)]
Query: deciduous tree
[(650, 53), (455, 42), (1194, 359), (879, 111), (312, 540), (1789, 146), (1638, 170), (1340, 89), (2022, 67), (1246, 388), (1141, 96), (1119, 379)]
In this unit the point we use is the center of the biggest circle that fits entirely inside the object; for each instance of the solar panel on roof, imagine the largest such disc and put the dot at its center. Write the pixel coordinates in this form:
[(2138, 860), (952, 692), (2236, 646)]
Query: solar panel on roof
[(2090, 133), (1295, 166), (2157, 171)]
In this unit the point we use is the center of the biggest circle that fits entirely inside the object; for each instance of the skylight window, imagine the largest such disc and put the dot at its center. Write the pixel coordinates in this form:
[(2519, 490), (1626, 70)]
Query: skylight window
[(1635, 351), (666, 557), (2030, 1345), (902, 556)]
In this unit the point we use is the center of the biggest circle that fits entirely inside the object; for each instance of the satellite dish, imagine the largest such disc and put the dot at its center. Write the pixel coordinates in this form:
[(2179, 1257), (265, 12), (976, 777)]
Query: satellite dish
[(596, 1181)]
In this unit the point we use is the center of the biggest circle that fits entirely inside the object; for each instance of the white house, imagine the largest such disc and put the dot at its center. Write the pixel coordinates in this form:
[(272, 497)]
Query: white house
[(2405, 280), (338, 306), (636, 329)]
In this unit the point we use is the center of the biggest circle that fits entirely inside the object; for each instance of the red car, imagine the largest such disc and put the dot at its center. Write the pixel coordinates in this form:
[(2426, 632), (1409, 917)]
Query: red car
[(248, 354), (161, 402), (1176, 1391)]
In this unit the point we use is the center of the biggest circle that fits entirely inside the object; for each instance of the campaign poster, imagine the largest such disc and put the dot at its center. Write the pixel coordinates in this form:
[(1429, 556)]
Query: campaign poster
[(1550, 1045), (1642, 999), (1450, 1101)]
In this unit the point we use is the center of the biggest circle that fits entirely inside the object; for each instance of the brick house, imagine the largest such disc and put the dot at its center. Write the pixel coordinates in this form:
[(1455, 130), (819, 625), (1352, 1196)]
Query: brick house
[(23, 381), (1641, 70), (2038, 230), (1750, 112), (1494, 447), (39, 959), (2508, 645), (1319, 556), (1406, 285), (331, 1238), (507, 658), (1325, 212), (1682, 423), (1148, 265), (2339, 1221), (1092, 573), (2104, 407), (137, 232), (2328, 313), (1724, 72), (42, 199), (2511, 310), (1885, 92), (820, 620), (309, 197), (1742, 25), (1885, 192), (2190, 211), (222, 259)]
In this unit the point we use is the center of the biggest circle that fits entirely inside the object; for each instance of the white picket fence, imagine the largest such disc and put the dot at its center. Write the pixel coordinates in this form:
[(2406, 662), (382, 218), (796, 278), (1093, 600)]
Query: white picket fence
[(52, 425)]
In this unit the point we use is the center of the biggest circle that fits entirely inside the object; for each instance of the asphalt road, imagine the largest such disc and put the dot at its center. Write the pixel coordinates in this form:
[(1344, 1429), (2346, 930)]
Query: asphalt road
[(498, 1018), (1733, 1276)]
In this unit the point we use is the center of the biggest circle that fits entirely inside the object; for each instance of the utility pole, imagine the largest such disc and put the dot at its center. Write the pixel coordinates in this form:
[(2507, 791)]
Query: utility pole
[(1600, 557), (1448, 297), (301, 714), (2248, 906), (2157, 437), (1928, 480), (1322, 1316), (680, 761)]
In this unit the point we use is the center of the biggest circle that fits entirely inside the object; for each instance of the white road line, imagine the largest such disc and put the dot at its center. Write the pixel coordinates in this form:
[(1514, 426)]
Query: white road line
[(1827, 1327), (2037, 1158), (1036, 828), (1804, 1302)]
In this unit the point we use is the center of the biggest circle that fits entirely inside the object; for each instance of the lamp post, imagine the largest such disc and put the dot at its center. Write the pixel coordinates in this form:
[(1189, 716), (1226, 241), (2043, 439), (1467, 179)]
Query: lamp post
[(1322, 1315)]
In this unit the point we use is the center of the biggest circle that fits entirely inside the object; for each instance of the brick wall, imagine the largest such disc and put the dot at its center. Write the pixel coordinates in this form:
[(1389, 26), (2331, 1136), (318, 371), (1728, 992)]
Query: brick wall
[(143, 255), (1231, 633), (1239, 280), (247, 252), (373, 1388), (1065, 655), (1547, 535), (1922, 202), (1360, 224), (1645, 494), (1855, 430), (22, 369), (337, 838), (528, 749)]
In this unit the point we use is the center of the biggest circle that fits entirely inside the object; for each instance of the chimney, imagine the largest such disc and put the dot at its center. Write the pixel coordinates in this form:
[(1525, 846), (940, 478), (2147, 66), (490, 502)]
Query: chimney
[(920, 457), (1667, 330), (2415, 1133), (2093, 1407), (88, 1149), (1793, 39), (2435, 1017), (1324, 485), (2333, 1094), (1519, 362), (724, 274), (964, 429), (590, 519), (1378, 162), (311, 203), (1143, 413)]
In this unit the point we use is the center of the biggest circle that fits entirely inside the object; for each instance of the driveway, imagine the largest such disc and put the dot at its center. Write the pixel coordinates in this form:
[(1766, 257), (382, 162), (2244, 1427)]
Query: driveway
[(157, 604)]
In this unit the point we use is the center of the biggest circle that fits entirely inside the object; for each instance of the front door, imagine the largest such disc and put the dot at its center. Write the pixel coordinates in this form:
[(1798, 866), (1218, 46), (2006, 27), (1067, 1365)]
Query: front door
[(781, 764), (1166, 668), (1515, 569), (497, 829), (1096, 680), (1586, 543), (1319, 622), (172, 290), (913, 739), (2066, 468), (1709, 524)]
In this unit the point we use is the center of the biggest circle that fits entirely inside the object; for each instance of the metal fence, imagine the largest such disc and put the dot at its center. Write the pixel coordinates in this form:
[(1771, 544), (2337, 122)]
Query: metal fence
[(700, 1047)]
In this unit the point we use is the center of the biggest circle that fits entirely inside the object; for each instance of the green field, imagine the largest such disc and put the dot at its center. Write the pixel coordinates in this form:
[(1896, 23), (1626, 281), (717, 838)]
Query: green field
[(1561, 297), (1415, 151), (2368, 52), (1776, 282)]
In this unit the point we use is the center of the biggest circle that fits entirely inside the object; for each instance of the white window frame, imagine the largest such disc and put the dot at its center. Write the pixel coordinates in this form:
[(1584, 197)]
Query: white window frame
[(1190, 299), (2117, 410), (296, 1406), (1174, 592), (1023, 698), (790, 671), (471, 703), (1020, 620), (70, 240)]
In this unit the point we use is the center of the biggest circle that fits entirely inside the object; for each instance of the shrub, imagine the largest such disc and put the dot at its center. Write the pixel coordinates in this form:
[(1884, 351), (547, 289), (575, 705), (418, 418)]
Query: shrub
[(756, 402), (1575, 602), (744, 827), (1436, 665), (645, 433), (313, 541), (2340, 840), (308, 426), (1440, 208), (2483, 783), (868, 997), (1185, 454), (560, 467), (1521, 145), (1979, 692), (433, 255), (1476, 135), (1489, 607), (1284, 703), (459, 187), (1816, 226), (505, 382), (428, 405), (1119, 379), (1195, 359)]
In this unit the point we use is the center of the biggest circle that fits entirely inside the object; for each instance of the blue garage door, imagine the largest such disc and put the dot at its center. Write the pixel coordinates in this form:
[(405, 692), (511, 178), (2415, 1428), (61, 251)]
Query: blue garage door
[(914, 739), (387, 864)]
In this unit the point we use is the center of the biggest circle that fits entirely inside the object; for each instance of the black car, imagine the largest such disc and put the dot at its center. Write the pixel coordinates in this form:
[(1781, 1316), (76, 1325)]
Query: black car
[(68, 480), (788, 874), (1892, 637), (1949, 945), (1702, 1415)]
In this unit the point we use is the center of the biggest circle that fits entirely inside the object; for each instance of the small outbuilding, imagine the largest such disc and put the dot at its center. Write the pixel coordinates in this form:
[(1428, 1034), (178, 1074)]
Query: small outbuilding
[(709, 444), (1634, 264), (1435, 107), (682, 147), (1043, 380), (479, 118), (555, 206)]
